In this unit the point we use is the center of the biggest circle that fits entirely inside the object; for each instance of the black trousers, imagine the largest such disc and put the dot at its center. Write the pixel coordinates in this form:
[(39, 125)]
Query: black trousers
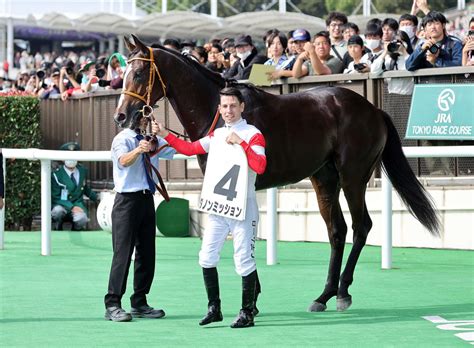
[(133, 225)]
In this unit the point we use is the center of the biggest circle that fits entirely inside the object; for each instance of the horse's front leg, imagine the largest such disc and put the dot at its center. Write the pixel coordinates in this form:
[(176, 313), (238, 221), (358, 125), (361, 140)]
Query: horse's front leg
[(327, 187)]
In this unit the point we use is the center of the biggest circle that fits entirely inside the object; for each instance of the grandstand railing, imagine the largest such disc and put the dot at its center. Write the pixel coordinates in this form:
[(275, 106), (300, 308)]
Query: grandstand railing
[(88, 120)]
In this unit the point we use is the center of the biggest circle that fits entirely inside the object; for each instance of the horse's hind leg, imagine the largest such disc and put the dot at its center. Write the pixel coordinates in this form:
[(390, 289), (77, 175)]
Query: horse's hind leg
[(326, 185), (361, 225)]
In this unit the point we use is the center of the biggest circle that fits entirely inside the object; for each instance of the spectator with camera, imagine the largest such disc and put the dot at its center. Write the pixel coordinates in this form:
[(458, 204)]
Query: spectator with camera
[(53, 90), (67, 81), (438, 49), (317, 59), (393, 57), (216, 60), (360, 61), (468, 50)]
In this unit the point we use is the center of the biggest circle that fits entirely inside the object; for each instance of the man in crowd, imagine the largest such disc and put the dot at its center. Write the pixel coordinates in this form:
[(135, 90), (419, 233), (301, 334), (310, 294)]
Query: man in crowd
[(317, 59), (248, 55), (409, 24), (439, 49), (335, 23), (68, 187)]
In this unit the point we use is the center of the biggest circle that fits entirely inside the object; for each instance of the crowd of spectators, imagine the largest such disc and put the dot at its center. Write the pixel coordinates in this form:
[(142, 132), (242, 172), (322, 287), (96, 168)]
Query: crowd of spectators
[(404, 43)]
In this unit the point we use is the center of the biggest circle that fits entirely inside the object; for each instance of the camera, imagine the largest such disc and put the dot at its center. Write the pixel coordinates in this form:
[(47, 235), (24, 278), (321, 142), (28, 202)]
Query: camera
[(69, 70), (359, 67), (40, 74), (435, 48), (226, 55), (393, 47), (100, 73), (104, 83), (471, 33)]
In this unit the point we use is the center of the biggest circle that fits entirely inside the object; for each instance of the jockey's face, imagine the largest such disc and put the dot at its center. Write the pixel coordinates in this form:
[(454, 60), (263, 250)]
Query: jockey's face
[(231, 109)]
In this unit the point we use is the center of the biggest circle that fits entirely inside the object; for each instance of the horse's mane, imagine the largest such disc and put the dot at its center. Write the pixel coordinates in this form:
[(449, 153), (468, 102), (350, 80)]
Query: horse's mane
[(213, 76)]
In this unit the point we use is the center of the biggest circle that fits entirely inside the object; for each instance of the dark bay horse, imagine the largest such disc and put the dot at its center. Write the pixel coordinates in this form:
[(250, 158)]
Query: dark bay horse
[(331, 135)]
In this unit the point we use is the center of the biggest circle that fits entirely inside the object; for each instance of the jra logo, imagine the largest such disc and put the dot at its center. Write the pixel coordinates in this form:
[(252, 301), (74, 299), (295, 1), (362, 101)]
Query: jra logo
[(465, 326), (445, 99)]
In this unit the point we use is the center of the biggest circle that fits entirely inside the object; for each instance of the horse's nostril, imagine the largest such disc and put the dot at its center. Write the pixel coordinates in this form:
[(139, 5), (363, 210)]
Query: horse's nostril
[(120, 117)]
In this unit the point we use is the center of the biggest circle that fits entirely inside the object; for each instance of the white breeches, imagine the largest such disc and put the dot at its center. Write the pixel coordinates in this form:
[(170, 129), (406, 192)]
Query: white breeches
[(243, 233)]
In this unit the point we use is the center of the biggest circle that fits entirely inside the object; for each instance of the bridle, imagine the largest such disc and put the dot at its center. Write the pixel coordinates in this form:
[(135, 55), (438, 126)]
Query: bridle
[(147, 109)]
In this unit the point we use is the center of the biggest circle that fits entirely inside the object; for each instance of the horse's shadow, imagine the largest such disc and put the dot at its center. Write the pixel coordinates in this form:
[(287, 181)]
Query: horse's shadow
[(363, 316)]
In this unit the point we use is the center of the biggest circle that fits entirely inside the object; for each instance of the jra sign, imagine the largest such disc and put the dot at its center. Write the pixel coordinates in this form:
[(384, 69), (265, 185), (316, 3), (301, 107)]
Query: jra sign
[(442, 112), (224, 191)]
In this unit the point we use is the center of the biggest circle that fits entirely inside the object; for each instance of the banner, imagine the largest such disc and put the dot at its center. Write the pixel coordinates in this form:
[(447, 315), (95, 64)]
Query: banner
[(443, 112)]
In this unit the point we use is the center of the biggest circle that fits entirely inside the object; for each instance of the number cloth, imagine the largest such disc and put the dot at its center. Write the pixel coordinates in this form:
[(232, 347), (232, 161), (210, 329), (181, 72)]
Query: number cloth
[(243, 232)]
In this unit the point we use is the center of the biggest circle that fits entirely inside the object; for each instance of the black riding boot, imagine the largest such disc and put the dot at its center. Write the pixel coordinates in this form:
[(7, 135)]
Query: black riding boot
[(258, 290), (211, 281), (245, 317)]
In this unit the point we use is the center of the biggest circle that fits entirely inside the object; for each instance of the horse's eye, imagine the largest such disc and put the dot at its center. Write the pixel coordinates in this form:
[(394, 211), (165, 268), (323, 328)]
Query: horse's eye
[(138, 74)]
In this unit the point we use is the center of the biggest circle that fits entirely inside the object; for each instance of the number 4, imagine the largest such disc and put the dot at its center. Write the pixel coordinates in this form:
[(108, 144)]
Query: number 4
[(232, 175)]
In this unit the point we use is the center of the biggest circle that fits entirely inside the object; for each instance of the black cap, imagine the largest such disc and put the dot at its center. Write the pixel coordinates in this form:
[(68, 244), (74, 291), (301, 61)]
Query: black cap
[(355, 40), (71, 146), (243, 40)]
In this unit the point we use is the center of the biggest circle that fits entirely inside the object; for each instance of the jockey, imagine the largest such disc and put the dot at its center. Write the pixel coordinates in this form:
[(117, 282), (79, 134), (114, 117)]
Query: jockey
[(235, 131)]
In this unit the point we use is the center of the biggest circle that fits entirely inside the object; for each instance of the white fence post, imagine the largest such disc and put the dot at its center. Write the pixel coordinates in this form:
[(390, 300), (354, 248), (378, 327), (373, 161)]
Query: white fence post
[(45, 207), (272, 226), (2, 212), (386, 222)]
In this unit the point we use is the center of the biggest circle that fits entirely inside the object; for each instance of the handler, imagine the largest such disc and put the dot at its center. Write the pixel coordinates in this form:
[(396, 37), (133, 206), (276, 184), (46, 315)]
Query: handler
[(133, 222), (235, 131)]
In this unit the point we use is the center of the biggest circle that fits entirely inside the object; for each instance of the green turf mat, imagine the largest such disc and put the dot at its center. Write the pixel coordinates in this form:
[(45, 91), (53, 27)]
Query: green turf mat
[(57, 301)]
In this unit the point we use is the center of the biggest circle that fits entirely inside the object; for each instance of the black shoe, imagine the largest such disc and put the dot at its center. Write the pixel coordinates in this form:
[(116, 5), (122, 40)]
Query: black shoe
[(75, 227), (117, 314), (244, 319), (214, 314), (147, 312), (255, 311)]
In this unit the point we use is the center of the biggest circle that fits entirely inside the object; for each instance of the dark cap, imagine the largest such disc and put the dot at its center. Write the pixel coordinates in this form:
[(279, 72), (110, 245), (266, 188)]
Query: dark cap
[(355, 40), (301, 35), (71, 146), (243, 40), (55, 72)]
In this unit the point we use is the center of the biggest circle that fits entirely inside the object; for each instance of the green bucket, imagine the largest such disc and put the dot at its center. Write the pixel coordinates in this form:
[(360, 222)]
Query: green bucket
[(172, 218)]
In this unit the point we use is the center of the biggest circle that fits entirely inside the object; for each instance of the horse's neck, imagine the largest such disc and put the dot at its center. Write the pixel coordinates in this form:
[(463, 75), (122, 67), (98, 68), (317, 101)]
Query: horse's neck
[(195, 102)]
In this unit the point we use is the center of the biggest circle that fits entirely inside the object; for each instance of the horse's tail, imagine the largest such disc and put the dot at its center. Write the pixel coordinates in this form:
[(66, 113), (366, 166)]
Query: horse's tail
[(410, 190)]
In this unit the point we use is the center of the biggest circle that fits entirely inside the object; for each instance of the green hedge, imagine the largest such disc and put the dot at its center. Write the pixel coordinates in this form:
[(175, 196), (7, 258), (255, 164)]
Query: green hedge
[(20, 128)]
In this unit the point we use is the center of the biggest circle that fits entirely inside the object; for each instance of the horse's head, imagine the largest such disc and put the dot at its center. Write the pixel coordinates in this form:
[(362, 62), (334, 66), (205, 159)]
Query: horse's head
[(142, 85)]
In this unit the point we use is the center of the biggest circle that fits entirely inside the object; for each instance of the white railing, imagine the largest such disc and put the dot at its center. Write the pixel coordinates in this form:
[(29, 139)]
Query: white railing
[(46, 156)]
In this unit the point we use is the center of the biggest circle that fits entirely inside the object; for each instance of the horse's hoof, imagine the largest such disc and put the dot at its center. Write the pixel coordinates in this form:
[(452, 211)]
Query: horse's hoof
[(343, 303), (317, 307)]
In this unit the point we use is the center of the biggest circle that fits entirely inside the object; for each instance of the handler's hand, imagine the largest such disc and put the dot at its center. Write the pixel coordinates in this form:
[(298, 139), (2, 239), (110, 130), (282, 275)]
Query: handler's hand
[(144, 146), (161, 131), (233, 138)]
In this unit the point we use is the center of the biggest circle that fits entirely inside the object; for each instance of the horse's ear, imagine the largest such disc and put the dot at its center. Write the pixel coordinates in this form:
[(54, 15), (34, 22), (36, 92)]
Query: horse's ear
[(128, 43), (140, 45)]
